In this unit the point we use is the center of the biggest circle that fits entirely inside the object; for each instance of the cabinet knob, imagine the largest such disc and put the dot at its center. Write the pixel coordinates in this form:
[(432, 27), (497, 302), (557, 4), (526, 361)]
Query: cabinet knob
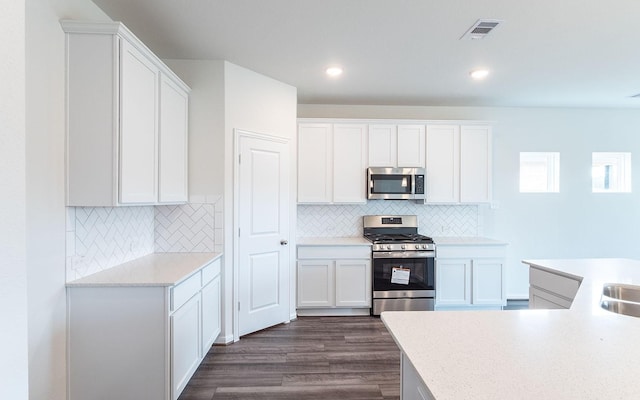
[(284, 242)]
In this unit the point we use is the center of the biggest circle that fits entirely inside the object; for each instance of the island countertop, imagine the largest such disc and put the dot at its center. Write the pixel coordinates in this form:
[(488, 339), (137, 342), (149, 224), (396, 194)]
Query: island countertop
[(581, 353)]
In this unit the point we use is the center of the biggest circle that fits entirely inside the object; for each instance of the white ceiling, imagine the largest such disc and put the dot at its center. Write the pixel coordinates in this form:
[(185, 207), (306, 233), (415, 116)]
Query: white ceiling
[(565, 53)]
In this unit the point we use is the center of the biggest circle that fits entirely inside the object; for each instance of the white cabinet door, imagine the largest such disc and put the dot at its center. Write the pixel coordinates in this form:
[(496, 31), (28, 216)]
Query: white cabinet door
[(139, 126), (316, 283), (174, 114), (542, 300), (488, 281), (314, 163), (475, 164), (210, 314), (411, 146), (382, 146), (453, 282), (443, 164), (349, 163), (353, 283), (411, 385), (185, 344)]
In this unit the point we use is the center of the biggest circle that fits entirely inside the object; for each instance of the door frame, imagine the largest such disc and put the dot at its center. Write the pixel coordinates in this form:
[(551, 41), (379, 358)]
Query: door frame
[(237, 135)]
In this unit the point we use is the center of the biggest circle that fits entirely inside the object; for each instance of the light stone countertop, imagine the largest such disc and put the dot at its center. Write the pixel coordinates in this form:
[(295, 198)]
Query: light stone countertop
[(467, 241), (157, 269), (333, 241), (581, 353)]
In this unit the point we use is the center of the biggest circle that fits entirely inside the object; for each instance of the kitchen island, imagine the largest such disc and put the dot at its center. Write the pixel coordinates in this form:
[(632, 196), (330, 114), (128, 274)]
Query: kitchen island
[(583, 352)]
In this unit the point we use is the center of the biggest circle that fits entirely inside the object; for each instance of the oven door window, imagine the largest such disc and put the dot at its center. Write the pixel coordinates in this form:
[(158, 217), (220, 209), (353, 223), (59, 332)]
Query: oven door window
[(391, 184), (421, 273)]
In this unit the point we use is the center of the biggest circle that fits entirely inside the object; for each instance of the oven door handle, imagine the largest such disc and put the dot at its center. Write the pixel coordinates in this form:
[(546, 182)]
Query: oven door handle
[(404, 254)]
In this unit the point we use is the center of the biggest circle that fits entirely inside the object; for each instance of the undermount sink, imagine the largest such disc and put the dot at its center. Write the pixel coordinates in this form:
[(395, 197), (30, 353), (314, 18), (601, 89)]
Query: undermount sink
[(621, 298)]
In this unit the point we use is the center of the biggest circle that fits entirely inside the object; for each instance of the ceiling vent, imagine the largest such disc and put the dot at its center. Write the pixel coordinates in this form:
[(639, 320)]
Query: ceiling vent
[(481, 28)]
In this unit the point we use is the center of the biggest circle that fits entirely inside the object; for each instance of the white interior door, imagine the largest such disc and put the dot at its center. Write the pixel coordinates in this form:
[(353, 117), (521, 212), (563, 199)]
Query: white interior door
[(263, 220)]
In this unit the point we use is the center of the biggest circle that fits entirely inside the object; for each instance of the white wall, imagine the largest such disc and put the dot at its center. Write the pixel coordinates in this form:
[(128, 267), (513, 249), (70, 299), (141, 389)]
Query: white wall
[(13, 267), (45, 211), (255, 103), (572, 223)]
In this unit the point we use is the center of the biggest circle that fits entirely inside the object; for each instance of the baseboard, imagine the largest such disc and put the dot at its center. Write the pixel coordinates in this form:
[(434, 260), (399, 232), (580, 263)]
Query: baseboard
[(332, 312), (223, 340)]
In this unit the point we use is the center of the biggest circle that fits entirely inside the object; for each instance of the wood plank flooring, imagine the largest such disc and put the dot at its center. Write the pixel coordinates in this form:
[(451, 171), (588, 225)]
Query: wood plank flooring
[(311, 358)]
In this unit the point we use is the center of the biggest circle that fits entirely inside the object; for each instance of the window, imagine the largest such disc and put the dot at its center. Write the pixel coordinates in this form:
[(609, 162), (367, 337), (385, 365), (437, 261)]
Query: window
[(539, 172), (611, 173)]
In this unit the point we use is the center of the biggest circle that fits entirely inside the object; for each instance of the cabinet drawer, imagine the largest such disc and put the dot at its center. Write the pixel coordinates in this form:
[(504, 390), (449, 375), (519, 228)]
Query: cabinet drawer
[(334, 252), (554, 283), (210, 272), (185, 290)]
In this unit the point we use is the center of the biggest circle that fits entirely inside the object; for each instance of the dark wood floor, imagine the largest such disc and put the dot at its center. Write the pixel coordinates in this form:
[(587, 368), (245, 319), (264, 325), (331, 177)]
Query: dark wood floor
[(311, 358)]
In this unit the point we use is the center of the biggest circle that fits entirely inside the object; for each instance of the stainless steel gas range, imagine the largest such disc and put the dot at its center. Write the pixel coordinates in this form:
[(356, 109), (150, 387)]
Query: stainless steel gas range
[(403, 263)]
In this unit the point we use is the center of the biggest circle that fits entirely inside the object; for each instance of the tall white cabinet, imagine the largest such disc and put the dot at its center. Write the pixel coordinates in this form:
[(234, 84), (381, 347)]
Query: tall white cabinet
[(127, 120), (331, 163)]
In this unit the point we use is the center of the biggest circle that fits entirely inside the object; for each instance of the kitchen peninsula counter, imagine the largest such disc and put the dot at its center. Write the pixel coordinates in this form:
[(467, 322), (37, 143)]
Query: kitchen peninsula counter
[(156, 269), (580, 353)]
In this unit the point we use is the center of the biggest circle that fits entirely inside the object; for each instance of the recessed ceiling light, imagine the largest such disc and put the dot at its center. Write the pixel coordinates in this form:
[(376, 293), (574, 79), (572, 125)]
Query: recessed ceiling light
[(334, 71), (479, 74)]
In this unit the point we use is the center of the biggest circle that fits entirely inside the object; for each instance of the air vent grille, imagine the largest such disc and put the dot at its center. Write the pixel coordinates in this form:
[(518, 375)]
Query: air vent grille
[(481, 28)]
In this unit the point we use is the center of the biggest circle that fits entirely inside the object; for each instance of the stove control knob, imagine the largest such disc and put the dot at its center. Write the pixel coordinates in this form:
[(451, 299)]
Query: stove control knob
[(403, 247), (417, 246), (424, 246), (388, 247)]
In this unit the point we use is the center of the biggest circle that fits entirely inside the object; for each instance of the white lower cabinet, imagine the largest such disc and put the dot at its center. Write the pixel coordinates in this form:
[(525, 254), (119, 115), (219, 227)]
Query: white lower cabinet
[(411, 385), (141, 342), (185, 344), (334, 280), (470, 277), (548, 290)]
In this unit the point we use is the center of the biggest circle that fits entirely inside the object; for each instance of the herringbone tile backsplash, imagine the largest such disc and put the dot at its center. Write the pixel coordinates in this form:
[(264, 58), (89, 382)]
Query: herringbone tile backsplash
[(346, 220), (188, 228), (102, 237), (99, 238)]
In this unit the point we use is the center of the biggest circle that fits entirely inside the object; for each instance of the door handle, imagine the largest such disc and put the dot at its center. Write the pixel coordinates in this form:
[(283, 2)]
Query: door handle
[(284, 242)]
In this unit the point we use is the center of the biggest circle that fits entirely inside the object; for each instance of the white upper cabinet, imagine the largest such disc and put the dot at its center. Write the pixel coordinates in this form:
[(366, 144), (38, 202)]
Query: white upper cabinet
[(396, 145), (443, 163), (174, 115), (411, 146), (475, 164), (458, 164), (314, 163), (138, 126), (349, 163), (127, 120), (383, 146), (331, 163)]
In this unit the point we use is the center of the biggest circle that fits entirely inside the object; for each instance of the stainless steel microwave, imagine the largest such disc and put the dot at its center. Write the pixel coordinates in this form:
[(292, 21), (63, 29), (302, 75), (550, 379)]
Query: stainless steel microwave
[(396, 183)]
